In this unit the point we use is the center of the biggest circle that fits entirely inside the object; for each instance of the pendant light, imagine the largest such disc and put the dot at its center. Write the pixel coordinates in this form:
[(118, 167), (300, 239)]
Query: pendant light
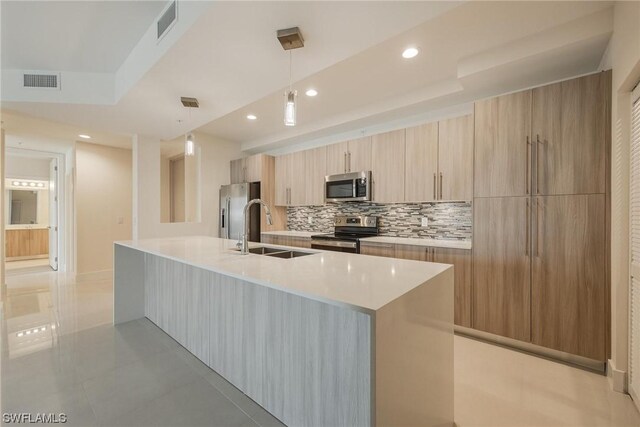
[(290, 100), (290, 39), (189, 139), (189, 145)]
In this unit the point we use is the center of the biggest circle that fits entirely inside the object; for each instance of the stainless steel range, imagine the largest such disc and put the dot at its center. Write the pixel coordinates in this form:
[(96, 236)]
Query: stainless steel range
[(348, 230)]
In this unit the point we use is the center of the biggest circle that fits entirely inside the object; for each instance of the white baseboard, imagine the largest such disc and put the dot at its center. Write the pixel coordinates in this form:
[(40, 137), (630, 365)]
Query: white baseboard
[(617, 378)]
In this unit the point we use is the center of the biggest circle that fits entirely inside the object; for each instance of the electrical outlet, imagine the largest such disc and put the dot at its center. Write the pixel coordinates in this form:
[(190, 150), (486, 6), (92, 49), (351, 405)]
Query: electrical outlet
[(309, 220), (424, 222)]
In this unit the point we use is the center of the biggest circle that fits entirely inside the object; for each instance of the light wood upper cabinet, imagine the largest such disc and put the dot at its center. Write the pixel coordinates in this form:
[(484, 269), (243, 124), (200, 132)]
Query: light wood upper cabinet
[(502, 155), (297, 179), (349, 156), (247, 169), (237, 171), (421, 172), (359, 154), (455, 158), (253, 168), (291, 179), (315, 170), (501, 267), (388, 165), (337, 158), (569, 286), (283, 178), (570, 127)]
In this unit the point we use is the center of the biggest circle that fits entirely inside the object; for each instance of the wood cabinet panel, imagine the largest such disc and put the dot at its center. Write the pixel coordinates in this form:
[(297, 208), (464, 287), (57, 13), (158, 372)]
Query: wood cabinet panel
[(461, 261), (501, 267), (378, 249), (297, 179), (337, 158), (359, 154), (455, 158), (315, 170), (39, 241), (570, 126), (283, 167), (502, 158), (421, 154), (388, 163), (237, 171), (18, 244), (253, 168), (568, 287)]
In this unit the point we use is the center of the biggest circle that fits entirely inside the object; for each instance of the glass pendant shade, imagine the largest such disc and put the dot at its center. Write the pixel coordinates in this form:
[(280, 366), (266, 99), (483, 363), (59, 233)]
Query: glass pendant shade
[(290, 107), (189, 145)]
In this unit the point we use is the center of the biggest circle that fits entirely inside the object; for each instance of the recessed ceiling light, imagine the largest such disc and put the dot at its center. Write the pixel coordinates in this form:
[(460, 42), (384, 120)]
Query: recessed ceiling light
[(311, 92), (84, 136), (410, 52), (251, 117)]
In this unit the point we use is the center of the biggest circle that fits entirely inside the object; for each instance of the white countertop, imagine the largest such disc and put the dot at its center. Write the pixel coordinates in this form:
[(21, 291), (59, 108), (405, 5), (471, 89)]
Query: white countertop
[(363, 283), (299, 234), (436, 243), (25, 227)]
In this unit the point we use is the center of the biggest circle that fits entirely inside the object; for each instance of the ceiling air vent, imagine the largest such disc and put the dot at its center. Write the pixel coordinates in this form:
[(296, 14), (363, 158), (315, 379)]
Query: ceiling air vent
[(167, 19), (40, 80)]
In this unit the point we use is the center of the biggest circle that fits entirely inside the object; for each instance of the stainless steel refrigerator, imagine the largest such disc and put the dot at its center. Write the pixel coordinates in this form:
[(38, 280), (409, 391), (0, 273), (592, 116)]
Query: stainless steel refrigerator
[(233, 198)]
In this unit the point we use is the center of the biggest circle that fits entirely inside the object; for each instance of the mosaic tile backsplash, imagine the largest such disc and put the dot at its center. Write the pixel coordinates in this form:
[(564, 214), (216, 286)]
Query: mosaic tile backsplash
[(450, 221)]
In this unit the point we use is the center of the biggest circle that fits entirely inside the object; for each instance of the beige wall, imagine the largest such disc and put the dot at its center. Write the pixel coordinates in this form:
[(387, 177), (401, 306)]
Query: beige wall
[(625, 61), (213, 170), (103, 198), (3, 287)]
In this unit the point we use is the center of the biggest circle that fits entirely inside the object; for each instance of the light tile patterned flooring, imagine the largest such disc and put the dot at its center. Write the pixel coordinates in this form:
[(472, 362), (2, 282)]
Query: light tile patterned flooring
[(134, 374)]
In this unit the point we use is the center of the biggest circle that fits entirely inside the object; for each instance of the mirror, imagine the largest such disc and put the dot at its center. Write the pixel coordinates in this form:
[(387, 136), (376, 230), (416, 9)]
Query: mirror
[(179, 183), (26, 206)]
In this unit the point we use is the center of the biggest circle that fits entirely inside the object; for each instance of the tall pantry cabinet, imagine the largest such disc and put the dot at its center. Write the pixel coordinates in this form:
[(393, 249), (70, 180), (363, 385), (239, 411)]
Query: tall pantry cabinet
[(540, 216)]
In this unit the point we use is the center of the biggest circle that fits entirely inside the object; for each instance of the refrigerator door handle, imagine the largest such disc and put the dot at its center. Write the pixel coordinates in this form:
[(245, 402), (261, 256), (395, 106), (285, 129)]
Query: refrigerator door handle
[(228, 212)]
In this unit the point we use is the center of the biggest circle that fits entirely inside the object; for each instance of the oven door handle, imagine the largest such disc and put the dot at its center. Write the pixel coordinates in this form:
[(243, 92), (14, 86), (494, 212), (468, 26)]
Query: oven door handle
[(334, 244)]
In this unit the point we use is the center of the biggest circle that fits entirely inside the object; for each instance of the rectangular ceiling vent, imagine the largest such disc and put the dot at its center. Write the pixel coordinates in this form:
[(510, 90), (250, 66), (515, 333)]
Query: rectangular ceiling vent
[(168, 19), (41, 80)]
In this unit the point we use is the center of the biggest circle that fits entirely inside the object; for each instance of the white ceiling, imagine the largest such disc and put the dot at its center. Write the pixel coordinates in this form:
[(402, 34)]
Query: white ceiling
[(83, 36), (230, 57), (231, 61)]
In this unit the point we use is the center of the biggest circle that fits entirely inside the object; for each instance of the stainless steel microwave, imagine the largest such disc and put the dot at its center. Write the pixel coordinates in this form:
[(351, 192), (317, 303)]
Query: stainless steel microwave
[(348, 187)]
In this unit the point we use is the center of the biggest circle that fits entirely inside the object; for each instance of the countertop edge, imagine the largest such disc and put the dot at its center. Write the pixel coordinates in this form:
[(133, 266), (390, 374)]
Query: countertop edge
[(365, 310)]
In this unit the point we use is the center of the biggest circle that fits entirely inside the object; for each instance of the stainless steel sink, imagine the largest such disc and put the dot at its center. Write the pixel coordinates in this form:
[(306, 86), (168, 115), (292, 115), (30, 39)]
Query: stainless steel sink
[(265, 251), (277, 252), (289, 254)]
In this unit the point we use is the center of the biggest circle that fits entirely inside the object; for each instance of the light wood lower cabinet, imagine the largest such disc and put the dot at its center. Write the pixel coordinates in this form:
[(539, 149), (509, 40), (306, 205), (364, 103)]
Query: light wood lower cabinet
[(300, 242), (459, 258), (568, 286), (501, 267), (378, 249), (25, 243)]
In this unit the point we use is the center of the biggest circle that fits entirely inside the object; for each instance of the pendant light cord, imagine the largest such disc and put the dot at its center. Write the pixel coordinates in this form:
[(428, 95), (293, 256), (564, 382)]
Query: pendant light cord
[(290, 69)]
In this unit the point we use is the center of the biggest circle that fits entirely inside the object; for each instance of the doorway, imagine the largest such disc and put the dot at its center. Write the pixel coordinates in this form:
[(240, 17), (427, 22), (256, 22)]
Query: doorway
[(31, 197)]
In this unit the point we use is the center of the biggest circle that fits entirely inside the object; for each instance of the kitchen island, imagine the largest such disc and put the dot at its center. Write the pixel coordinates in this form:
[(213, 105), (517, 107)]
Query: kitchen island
[(326, 339)]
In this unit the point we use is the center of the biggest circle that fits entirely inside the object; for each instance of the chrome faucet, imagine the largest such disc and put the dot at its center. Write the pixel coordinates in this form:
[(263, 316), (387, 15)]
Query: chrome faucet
[(243, 244)]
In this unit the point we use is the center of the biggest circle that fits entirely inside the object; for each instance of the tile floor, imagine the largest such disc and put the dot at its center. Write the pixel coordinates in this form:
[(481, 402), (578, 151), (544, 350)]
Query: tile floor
[(27, 266), (74, 361)]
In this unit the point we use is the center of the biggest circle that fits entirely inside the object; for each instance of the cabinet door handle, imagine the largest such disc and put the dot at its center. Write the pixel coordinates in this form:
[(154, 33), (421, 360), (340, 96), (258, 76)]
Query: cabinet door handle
[(349, 160), (434, 186), (440, 198), (537, 228), (538, 163), (527, 229), (526, 173), (345, 162)]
